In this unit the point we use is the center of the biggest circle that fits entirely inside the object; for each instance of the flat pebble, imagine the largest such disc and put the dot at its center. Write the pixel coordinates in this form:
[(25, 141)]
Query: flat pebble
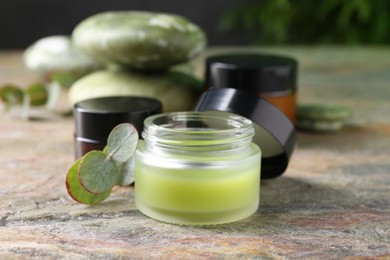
[(139, 40)]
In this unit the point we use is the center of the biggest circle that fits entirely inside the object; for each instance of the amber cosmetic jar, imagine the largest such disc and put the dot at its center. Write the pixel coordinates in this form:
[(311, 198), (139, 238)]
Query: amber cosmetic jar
[(95, 118), (272, 77)]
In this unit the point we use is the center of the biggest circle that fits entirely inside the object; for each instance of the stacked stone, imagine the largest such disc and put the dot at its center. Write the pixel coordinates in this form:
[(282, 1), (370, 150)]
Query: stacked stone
[(139, 50)]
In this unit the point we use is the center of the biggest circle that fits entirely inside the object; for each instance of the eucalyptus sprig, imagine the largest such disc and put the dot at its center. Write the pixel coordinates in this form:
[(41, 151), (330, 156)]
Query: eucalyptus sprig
[(91, 178), (36, 94), (12, 95)]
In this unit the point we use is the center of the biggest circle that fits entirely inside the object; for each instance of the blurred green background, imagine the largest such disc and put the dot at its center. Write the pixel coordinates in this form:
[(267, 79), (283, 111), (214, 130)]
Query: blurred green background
[(311, 22), (226, 22)]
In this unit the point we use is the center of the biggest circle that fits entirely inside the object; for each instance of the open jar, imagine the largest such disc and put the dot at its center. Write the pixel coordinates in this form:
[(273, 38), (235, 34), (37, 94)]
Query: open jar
[(197, 168)]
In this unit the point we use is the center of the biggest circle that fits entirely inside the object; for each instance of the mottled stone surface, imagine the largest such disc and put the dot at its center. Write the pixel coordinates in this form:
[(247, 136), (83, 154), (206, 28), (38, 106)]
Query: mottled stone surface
[(333, 202)]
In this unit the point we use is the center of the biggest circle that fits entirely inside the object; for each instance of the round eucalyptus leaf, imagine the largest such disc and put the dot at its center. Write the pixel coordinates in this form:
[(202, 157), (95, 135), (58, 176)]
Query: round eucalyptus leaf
[(11, 95), (38, 94), (77, 191), (105, 150), (127, 172), (122, 142), (98, 173)]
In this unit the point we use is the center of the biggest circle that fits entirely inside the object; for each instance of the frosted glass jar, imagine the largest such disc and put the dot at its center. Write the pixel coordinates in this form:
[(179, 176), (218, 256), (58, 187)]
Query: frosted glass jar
[(197, 168)]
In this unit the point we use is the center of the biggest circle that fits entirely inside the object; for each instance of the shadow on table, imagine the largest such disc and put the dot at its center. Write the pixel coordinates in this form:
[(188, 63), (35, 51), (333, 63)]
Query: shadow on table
[(287, 195), (343, 140), (286, 198)]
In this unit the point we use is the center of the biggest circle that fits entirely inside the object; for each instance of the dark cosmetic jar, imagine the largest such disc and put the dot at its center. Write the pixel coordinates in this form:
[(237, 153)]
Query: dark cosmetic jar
[(95, 118), (272, 77), (274, 132)]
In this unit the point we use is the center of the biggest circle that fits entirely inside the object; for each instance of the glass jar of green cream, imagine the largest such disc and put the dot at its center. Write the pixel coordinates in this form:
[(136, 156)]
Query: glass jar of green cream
[(197, 168)]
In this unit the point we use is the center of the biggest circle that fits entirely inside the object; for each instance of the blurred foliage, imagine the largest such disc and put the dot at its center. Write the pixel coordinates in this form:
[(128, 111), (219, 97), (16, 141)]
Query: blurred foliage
[(311, 22)]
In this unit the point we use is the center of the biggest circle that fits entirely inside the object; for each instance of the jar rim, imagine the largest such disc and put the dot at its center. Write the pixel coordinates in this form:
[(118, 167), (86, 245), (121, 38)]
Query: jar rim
[(209, 128)]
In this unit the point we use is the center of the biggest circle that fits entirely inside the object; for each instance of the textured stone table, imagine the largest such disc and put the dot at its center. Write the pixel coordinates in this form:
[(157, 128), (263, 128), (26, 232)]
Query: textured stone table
[(333, 202)]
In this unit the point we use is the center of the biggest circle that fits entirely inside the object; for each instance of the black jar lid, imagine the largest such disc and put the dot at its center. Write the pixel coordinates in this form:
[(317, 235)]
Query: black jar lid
[(96, 117), (253, 72), (274, 132)]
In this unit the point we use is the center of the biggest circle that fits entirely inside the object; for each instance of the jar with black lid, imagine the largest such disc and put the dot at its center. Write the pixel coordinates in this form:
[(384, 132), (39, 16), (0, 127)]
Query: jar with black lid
[(272, 77)]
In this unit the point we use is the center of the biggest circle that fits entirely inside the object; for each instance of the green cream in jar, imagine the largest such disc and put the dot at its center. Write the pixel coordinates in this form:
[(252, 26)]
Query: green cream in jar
[(197, 168)]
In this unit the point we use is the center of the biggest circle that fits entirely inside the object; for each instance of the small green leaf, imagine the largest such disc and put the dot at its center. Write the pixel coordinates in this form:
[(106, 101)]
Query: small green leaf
[(77, 191), (185, 79), (122, 142), (64, 78), (98, 173), (105, 150), (11, 95), (127, 172), (37, 93)]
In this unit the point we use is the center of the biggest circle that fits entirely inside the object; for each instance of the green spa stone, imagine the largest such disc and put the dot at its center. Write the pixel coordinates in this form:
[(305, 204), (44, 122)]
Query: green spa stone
[(176, 90), (141, 40), (326, 112), (56, 58), (321, 117), (319, 126)]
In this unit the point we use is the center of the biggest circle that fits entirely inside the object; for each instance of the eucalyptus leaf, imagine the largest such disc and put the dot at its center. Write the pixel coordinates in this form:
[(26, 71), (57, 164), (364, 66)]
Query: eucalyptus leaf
[(11, 95), (122, 142), (37, 93), (127, 172), (98, 173), (77, 191), (64, 78), (105, 150)]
